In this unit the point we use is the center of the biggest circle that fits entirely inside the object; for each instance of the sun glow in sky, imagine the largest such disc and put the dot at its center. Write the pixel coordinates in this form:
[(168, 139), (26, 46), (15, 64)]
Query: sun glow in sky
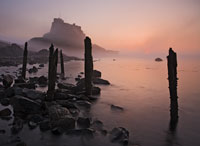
[(136, 25)]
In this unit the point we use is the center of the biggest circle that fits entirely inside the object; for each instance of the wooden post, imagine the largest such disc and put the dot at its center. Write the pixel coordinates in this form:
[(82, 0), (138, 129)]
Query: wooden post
[(172, 77), (53, 60), (24, 61), (62, 65), (88, 66)]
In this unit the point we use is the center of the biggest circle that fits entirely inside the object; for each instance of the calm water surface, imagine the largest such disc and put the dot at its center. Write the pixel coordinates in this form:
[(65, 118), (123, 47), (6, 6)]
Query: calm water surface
[(141, 87)]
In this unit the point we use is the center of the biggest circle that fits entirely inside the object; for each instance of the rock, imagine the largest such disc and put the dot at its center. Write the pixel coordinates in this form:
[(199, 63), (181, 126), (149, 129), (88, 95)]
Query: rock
[(2, 93), (42, 80), (104, 132), (56, 131), (83, 103), (41, 65), (25, 85), (17, 125), (120, 135), (100, 81), (96, 74), (97, 125), (66, 123), (45, 125), (5, 101), (96, 90), (77, 79), (25, 105), (116, 108), (32, 125), (83, 122), (33, 70), (56, 112), (7, 80), (5, 112), (18, 90), (60, 96), (33, 79), (158, 59), (65, 86), (33, 94), (1, 86), (9, 92), (2, 131), (88, 132), (36, 118), (20, 80), (21, 144)]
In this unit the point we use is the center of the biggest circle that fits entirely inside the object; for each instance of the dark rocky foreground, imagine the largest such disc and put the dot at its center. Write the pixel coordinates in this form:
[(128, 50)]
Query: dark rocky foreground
[(67, 114)]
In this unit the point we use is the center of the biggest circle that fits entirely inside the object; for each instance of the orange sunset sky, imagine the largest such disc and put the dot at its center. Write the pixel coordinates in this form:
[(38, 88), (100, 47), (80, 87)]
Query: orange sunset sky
[(124, 25)]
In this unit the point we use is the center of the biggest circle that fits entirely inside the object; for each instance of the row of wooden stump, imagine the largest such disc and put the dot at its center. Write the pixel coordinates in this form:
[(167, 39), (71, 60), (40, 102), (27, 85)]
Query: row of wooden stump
[(52, 69)]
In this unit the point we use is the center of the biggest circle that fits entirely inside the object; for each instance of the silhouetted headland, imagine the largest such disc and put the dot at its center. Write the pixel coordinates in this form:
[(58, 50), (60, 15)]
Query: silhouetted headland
[(73, 43)]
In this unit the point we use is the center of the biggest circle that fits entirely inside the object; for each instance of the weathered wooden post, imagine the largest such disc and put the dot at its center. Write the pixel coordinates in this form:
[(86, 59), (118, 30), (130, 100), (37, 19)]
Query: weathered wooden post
[(62, 65), (52, 72), (24, 61), (88, 66), (172, 77)]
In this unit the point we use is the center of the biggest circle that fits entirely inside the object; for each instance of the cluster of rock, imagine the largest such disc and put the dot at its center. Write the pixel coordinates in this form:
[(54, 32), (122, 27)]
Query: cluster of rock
[(66, 114)]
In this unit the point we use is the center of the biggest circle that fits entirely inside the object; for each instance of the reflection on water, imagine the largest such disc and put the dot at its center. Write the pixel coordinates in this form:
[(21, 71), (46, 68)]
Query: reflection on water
[(144, 95)]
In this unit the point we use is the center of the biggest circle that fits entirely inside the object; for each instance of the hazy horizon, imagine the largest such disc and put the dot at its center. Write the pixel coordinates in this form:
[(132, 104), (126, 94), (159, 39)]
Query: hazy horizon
[(146, 26)]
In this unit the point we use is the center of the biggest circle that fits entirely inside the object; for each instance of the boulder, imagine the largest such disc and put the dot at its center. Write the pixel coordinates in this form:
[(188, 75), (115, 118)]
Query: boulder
[(65, 86), (7, 80), (9, 92), (2, 93), (25, 105), (32, 124), (45, 125), (96, 90), (97, 125), (33, 79), (17, 125), (96, 74), (42, 80), (66, 123), (25, 85), (116, 108), (100, 81), (2, 131), (88, 132), (83, 122), (56, 112), (158, 59), (20, 80), (33, 70), (83, 103), (33, 94), (41, 65), (18, 90), (5, 112), (60, 96), (5, 101), (36, 118), (120, 135)]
